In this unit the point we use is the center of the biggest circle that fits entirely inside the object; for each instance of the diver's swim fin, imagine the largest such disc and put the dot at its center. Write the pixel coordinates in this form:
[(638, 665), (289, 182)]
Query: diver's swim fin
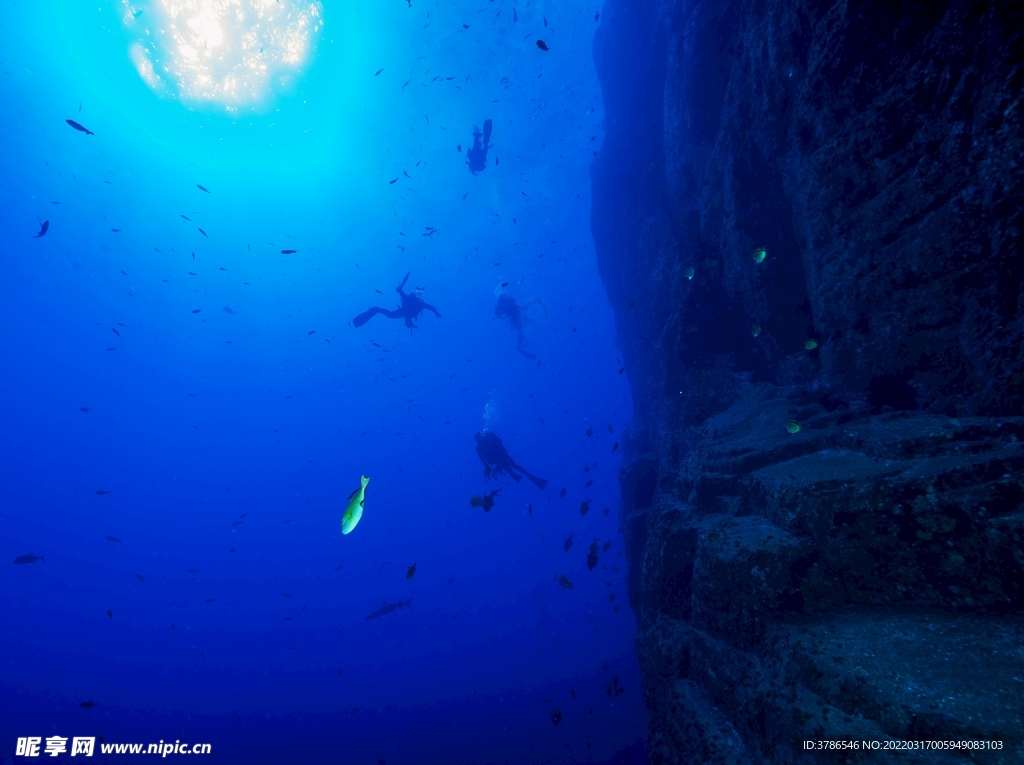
[(540, 483), (525, 353), (364, 317)]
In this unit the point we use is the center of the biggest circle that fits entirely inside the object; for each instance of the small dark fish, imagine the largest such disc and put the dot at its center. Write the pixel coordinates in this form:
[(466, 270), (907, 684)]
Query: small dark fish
[(590, 432), (567, 545), (196, 310), (406, 174), (228, 309), (43, 228), (572, 692), (115, 331), (203, 233), (187, 218), (139, 577), (556, 716), (387, 608), (202, 188), (378, 72), (607, 547), (110, 614), (116, 230), (564, 581), (112, 539), (101, 492), (584, 507), (393, 181), (339, 568), (87, 704), (615, 446), (288, 252), (193, 571), (592, 556), (79, 128), (486, 501), (209, 600), (84, 409), (610, 428), (30, 558), (311, 332), (411, 572), (542, 45), (561, 494), (529, 508)]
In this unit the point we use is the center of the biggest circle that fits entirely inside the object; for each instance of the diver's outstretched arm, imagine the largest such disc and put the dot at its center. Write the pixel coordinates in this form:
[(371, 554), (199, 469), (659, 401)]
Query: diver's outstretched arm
[(398, 289), (429, 307)]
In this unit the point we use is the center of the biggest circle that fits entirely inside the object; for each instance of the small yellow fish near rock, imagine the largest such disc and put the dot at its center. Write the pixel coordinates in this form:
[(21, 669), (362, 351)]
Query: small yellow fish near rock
[(755, 330), (810, 344), (760, 254), (688, 273), (354, 511), (792, 426)]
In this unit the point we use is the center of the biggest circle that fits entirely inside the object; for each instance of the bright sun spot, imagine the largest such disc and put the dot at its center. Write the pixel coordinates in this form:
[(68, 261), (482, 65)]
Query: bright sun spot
[(227, 51)]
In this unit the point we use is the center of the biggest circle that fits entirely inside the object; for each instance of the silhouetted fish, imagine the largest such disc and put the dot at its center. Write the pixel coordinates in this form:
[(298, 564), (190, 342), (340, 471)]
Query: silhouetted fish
[(542, 45), (101, 492), (79, 128), (43, 228), (87, 704), (203, 233), (486, 501), (112, 539), (411, 572), (30, 558), (387, 608), (288, 252), (202, 188), (592, 556)]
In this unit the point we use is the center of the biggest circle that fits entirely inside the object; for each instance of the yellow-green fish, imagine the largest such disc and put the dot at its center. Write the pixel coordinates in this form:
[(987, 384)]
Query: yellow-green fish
[(792, 426), (810, 344), (755, 330), (354, 511), (760, 254), (688, 273)]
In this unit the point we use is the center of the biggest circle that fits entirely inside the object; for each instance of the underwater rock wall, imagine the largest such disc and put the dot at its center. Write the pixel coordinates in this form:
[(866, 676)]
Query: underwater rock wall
[(863, 576)]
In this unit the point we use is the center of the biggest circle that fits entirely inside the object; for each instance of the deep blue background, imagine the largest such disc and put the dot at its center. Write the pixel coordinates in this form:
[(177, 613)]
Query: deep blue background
[(197, 421)]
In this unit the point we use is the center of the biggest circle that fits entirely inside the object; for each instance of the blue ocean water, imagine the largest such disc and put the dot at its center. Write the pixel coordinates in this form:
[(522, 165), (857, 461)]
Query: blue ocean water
[(187, 406)]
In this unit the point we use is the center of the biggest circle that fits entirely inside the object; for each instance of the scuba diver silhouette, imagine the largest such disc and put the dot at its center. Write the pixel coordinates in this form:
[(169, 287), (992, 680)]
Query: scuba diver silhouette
[(496, 459), (412, 306), (507, 308), (476, 157)]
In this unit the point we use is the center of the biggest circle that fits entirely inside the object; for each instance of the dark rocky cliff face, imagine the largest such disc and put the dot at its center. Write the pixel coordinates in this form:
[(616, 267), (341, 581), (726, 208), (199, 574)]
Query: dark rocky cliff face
[(862, 577)]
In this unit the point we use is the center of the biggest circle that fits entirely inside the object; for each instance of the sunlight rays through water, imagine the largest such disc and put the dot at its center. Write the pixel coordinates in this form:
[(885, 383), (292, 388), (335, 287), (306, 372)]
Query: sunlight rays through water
[(232, 52)]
